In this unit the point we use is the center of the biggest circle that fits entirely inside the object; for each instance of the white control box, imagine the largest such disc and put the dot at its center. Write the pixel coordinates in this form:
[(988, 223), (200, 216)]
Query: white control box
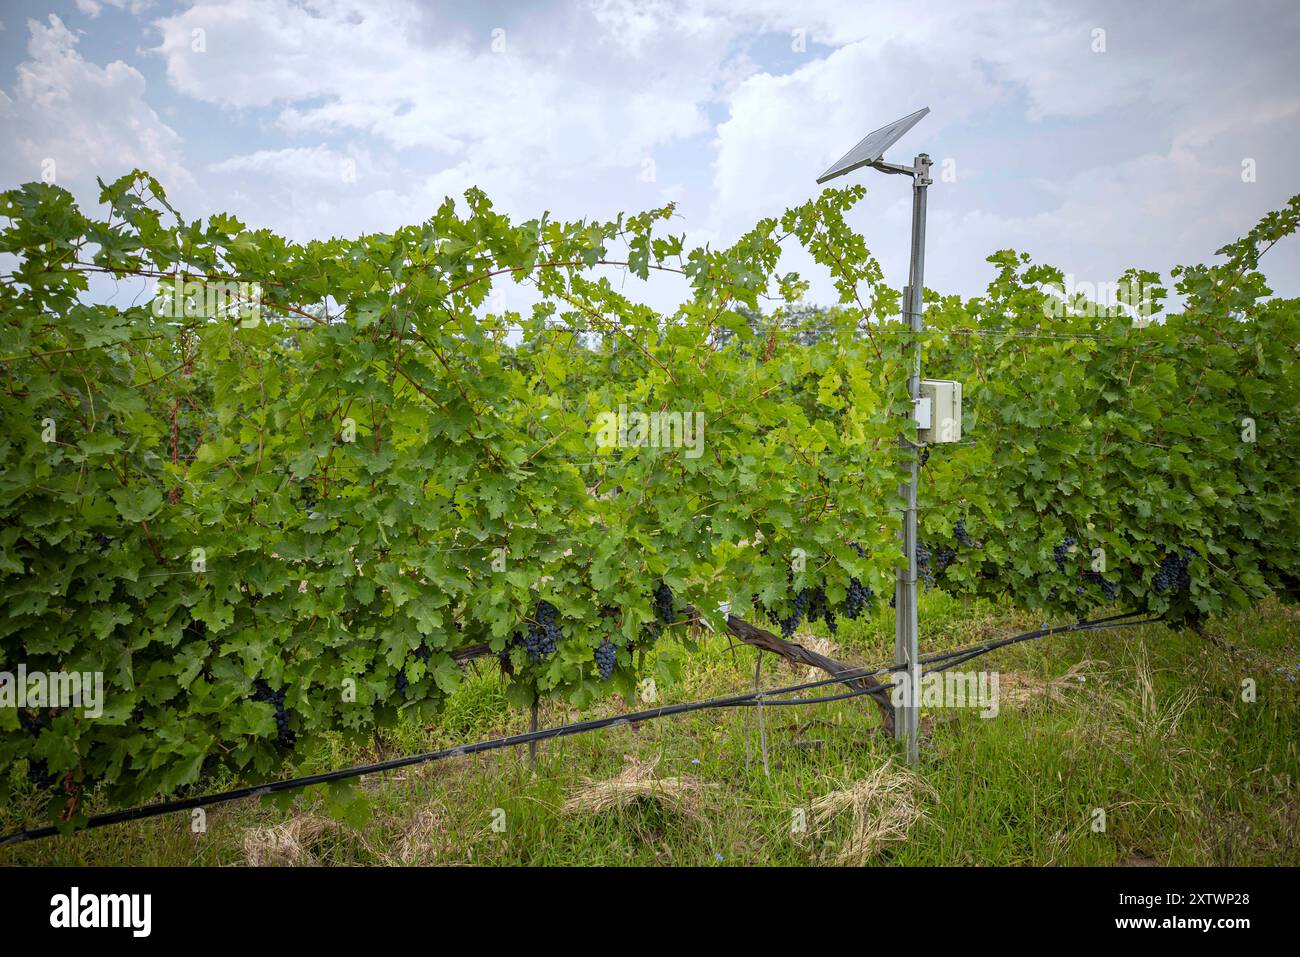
[(943, 415)]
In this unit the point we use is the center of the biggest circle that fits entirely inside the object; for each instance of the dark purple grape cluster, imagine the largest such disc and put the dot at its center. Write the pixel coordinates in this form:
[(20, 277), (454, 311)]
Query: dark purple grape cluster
[(663, 602), (944, 556), (34, 725), (811, 604), (816, 603), (819, 607), (420, 654), (1172, 574), (790, 625), (1060, 551), (963, 537), (923, 565), (857, 600), (606, 658), (543, 633), (1108, 588), (263, 692), (38, 773)]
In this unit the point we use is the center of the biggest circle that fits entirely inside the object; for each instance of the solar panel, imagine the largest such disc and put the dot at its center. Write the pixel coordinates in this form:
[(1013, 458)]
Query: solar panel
[(872, 147)]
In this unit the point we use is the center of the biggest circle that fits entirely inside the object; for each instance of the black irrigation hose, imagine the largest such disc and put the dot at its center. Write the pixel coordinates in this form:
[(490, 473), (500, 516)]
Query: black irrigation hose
[(749, 700), (955, 660), (168, 807), (965, 654), (763, 700)]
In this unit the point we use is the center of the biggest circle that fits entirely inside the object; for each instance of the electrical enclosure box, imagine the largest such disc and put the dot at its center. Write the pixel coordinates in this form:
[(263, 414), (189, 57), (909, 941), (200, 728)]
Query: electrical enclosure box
[(942, 418)]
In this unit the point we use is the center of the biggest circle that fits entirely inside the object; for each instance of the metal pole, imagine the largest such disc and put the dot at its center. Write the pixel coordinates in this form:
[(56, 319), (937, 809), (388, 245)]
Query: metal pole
[(907, 718)]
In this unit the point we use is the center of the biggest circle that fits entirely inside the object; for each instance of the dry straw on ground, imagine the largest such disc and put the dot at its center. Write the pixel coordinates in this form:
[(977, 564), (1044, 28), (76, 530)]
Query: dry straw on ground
[(822, 646), (1018, 689), (1145, 714), (883, 807), (683, 796), (286, 845), (424, 837)]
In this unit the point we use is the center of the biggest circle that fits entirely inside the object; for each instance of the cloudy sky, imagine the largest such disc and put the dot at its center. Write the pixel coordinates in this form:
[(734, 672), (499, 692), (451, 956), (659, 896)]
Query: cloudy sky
[(1093, 135)]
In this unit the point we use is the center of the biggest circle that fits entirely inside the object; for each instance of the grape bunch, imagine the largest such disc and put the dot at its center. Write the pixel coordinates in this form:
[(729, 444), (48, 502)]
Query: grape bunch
[(663, 601), (923, 564), (945, 556), (263, 692), (38, 773), (421, 654), (816, 604), (789, 625), (543, 634), (1108, 588), (963, 537), (857, 600), (606, 658), (1061, 550), (33, 726), (819, 607), (1172, 574)]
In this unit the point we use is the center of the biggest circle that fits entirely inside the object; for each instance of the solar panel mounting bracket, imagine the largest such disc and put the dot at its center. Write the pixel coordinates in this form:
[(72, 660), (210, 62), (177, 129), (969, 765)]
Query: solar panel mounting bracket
[(870, 150), (893, 168)]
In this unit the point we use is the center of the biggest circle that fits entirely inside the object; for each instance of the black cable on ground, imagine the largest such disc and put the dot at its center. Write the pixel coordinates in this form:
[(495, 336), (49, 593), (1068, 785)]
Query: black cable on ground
[(775, 696)]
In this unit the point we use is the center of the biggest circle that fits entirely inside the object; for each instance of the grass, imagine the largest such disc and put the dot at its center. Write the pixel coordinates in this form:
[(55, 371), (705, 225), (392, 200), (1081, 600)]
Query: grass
[(1156, 735)]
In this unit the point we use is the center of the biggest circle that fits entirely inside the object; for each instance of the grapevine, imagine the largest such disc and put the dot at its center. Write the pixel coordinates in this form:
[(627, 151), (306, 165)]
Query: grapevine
[(381, 475)]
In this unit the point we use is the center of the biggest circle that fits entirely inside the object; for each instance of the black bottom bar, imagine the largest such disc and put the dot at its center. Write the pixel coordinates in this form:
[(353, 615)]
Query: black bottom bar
[(244, 907)]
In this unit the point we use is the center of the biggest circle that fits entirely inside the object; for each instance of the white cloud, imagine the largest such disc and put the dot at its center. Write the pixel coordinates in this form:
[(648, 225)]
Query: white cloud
[(86, 119), (1095, 161), (318, 164), (93, 8), (389, 71), (784, 130)]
